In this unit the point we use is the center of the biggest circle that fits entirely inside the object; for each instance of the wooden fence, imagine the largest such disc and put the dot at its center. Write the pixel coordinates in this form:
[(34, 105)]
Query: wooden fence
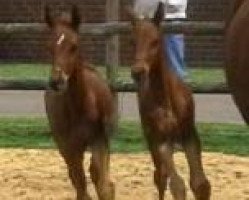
[(110, 30), (115, 27)]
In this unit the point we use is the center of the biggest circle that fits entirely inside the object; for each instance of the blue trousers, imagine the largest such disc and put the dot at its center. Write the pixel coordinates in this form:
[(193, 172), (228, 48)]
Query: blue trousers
[(174, 50)]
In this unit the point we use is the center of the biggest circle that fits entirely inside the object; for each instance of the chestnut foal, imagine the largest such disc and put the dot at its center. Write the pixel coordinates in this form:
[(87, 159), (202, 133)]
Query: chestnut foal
[(79, 107), (167, 112)]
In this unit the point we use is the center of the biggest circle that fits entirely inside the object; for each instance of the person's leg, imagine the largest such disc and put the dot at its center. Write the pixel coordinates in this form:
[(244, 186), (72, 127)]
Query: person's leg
[(174, 49)]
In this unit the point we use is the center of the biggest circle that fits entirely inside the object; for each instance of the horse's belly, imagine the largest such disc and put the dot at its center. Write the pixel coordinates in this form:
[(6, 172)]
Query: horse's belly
[(237, 43)]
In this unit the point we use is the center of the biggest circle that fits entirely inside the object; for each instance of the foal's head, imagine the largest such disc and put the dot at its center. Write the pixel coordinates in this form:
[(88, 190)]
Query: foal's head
[(64, 46), (147, 38)]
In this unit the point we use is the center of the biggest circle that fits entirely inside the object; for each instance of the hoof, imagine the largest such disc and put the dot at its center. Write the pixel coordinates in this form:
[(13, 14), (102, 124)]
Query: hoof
[(202, 190)]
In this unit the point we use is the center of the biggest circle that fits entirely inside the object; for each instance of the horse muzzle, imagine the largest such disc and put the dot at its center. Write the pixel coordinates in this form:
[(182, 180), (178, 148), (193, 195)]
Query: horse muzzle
[(138, 74), (58, 85)]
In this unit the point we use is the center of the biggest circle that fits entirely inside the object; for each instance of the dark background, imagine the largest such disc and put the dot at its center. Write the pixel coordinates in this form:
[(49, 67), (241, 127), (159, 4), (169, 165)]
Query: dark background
[(28, 47)]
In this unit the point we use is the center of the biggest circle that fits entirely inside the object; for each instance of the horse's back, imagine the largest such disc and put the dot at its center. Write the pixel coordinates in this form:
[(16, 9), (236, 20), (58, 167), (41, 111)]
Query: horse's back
[(237, 67)]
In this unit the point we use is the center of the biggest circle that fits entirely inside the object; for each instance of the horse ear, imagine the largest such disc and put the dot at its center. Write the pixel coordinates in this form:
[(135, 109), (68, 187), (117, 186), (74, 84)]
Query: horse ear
[(131, 14), (48, 18), (159, 14), (75, 17)]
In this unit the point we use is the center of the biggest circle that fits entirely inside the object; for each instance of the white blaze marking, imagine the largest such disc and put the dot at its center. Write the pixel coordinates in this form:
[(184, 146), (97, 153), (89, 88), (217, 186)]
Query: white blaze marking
[(60, 40)]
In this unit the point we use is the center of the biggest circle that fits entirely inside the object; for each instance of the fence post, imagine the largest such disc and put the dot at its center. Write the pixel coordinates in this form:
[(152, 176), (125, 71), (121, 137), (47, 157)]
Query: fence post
[(112, 53)]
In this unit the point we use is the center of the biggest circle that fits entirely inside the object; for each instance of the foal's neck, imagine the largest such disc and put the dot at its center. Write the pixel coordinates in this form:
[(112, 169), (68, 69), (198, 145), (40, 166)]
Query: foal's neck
[(160, 75), (77, 81), (161, 79), (77, 85)]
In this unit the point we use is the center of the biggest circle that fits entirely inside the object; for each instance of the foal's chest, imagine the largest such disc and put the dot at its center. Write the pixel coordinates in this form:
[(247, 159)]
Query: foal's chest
[(158, 119)]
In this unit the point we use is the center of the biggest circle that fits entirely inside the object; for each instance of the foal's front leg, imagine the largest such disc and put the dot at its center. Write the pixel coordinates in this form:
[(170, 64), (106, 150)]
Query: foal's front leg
[(162, 155), (99, 169), (160, 173), (198, 181), (76, 173)]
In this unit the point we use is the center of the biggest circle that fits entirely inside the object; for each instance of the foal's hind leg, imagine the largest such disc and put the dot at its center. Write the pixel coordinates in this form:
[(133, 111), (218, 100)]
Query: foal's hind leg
[(198, 181), (99, 170), (165, 168), (76, 173)]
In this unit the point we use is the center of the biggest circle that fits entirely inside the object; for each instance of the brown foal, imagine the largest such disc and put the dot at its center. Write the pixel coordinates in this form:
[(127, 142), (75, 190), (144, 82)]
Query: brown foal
[(79, 107), (237, 59), (167, 112)]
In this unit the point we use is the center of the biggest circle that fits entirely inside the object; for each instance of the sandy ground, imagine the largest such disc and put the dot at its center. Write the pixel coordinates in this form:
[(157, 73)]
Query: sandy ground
[(41, 174)]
